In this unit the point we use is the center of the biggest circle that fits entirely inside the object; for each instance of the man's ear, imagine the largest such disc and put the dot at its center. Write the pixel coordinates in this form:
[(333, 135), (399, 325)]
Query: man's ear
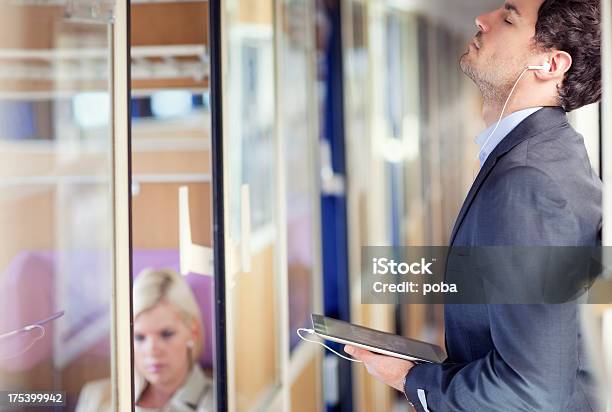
[(560, 63)]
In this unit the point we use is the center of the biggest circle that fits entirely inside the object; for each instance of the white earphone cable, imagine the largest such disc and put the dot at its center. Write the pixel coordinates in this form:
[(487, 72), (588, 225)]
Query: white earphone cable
[(502, 112), (36, 339), (311, 331)]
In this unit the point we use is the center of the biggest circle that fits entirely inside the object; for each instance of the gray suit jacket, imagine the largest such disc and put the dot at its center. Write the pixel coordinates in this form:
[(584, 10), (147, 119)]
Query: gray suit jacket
[(536, 188)]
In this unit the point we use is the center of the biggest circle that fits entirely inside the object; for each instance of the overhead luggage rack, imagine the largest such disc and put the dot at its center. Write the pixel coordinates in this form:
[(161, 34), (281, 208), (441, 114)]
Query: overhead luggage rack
[(67, 54)]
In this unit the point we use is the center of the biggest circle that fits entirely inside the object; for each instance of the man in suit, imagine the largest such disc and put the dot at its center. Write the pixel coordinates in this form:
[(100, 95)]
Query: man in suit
[(535, 187)]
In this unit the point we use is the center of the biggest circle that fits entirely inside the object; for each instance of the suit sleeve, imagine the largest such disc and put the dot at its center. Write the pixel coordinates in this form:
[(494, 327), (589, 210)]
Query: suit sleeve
[(533, 363)]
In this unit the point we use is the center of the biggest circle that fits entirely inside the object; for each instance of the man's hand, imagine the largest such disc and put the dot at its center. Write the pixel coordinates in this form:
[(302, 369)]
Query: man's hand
[(386, 369)]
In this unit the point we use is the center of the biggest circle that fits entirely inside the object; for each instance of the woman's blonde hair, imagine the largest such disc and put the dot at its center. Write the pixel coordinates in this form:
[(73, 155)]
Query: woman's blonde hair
[(153, 286)]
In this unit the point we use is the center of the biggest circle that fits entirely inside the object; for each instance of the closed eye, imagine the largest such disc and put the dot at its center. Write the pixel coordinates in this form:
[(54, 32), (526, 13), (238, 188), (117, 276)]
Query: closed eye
[(508, 22)]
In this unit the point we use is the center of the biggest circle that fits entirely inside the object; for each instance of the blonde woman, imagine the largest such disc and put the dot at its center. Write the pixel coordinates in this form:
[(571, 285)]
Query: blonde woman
[(167, 343)]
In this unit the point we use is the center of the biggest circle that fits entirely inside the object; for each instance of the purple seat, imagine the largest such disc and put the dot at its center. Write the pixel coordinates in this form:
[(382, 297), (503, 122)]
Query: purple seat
[(202, 287), (27, 295)]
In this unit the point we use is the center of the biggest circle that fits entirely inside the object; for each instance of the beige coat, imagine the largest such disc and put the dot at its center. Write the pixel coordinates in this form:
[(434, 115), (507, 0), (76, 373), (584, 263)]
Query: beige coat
[(196, 395)]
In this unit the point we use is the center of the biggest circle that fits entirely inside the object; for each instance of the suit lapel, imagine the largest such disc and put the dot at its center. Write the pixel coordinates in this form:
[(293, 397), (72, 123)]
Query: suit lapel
[(482, 175), (537, 123)]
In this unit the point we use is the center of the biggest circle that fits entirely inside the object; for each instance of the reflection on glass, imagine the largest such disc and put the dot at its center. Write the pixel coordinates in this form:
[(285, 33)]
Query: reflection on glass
[(55, 199), (357, 68), (171, 155), (168, 341), (170, 152), (171, 103), (296, 125), (251, 277), (252, 133)]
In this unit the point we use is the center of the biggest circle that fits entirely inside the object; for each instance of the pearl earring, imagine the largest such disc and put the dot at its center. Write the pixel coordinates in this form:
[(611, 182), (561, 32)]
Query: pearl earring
[(190, 343)]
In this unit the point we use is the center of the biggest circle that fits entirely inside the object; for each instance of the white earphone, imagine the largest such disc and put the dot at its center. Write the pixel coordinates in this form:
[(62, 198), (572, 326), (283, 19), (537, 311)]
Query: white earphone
[(546, 67)]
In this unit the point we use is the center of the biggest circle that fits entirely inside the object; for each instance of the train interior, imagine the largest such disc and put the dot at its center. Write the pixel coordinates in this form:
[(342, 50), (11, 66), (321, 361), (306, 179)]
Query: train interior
[(339, 124)]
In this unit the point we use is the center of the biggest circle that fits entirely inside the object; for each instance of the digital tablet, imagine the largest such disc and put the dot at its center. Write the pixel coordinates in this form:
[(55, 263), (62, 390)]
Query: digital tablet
[(376, 341)]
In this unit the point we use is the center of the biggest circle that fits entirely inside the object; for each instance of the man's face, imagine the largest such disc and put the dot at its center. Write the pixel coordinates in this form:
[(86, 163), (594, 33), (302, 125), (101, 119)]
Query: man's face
[(502, 46)]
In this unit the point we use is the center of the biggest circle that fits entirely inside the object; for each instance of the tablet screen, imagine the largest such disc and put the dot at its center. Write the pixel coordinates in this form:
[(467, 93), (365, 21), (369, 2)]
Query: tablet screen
[(377, 339)]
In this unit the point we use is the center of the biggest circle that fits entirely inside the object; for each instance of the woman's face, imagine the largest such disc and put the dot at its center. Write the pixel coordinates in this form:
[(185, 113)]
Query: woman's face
[(161, 345)]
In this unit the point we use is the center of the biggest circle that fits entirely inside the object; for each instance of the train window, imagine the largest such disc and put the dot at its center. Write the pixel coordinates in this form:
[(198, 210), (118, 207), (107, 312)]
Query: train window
[(250, 179), (173, 292), (56, 254), (296, 124), (298, 132)]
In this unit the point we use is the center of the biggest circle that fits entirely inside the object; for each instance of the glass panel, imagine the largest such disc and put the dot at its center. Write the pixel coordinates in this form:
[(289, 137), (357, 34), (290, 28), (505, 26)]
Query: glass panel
[(296, 125), (414, 211), (251, 274), (55, 198), (357, 123), (171, 205)]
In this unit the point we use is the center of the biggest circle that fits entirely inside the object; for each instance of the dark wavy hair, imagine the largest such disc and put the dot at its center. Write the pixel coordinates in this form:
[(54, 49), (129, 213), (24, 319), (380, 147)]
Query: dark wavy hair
[(573, 26)]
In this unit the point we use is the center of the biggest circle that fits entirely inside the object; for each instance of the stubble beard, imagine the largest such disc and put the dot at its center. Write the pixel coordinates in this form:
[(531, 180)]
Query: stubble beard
[(490, 88)]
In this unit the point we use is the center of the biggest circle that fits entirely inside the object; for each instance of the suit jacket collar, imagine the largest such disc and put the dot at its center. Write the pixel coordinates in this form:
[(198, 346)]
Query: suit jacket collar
[(538, 123)]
